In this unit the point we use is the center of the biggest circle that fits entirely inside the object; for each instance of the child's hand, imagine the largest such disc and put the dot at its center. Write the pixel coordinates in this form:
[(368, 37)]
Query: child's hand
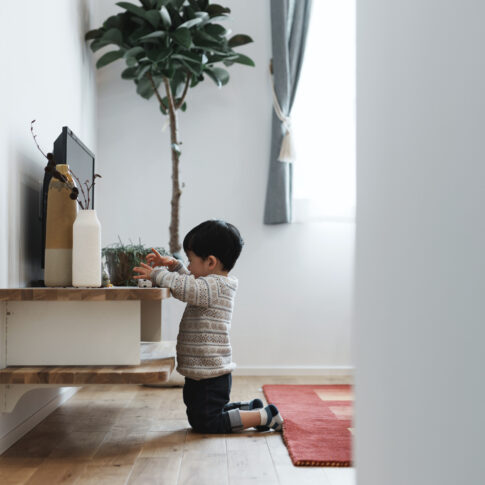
[(156, 259), (145, 272)]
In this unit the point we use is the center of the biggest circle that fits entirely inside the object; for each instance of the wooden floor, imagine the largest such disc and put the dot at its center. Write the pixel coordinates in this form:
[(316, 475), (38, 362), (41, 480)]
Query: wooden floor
[(129, 434)]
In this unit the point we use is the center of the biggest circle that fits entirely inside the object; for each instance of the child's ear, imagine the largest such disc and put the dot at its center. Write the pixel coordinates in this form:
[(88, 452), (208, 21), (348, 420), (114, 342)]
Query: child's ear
[(212, 261)]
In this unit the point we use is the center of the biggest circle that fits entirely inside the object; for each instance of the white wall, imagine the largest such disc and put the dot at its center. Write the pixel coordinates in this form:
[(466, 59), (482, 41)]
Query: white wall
[(420, 306), (48, 75), (294, 302)]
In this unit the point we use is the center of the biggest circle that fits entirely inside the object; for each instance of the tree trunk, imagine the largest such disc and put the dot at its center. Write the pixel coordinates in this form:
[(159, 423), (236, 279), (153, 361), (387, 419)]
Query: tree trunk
[(176, 191)]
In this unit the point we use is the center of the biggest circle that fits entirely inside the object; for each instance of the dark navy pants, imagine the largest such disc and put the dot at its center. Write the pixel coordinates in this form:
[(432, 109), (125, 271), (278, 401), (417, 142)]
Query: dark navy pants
[(208, 406)]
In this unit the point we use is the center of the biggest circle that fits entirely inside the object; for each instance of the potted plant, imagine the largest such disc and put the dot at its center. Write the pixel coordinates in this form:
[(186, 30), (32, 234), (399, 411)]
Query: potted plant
[(120, 259), (170, 46)]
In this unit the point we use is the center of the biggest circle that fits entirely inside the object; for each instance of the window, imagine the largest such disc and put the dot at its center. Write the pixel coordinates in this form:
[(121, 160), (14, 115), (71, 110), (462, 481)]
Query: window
[(323, 116)]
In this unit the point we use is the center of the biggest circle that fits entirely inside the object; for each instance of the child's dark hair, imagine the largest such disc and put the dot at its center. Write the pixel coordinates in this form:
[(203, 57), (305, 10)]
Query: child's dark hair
[(217, 238)]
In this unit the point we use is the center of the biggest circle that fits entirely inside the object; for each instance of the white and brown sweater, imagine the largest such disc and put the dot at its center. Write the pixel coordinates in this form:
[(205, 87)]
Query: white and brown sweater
[(203, 345)]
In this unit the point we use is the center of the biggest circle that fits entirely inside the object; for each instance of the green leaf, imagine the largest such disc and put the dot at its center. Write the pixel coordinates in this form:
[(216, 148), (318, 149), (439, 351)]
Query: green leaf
[(134, 9), (129, 73), (158, 55), (98, 44), (167, 21), (143, 71), (108, 58), (153, 16), (154, 35), (131, 61), (182, 36), (162, 109), (113, 36), (134, 51), (215, 30), (220, 18), (239, 39), (190, 23), (242, 59), (184, 107), (144, 88), (218, 75), (214, 10), (93, 34), (203, 4)]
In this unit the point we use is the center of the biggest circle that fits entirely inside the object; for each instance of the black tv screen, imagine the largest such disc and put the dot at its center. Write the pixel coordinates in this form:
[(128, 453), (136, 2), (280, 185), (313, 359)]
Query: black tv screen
[(69, 149)]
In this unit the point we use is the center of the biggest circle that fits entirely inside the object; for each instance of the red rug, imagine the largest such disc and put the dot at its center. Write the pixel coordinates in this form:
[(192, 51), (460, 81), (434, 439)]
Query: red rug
[(317, 428)]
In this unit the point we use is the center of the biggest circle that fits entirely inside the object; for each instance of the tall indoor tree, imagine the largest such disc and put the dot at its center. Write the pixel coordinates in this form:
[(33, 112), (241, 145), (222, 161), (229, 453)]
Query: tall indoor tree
[(170, 46)]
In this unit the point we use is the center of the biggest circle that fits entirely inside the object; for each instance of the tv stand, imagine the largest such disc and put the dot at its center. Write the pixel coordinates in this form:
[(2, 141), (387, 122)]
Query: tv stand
[(75, 336)]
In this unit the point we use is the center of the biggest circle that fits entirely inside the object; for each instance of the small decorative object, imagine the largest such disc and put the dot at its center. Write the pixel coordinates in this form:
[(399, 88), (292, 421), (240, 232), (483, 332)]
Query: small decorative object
[(169, 47), (121, 258), (61, 214), (142, 283)]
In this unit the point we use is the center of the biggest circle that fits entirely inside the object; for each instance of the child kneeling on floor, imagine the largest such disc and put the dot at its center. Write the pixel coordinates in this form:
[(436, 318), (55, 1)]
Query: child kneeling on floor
[(204, 354)]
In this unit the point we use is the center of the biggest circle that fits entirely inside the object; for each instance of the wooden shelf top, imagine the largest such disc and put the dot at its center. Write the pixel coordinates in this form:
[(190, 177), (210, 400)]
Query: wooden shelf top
[(154, 369), (115, 293)]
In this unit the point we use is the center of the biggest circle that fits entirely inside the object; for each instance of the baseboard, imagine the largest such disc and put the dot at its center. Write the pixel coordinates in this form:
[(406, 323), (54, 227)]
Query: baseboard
[(296, 370), (25, 426)]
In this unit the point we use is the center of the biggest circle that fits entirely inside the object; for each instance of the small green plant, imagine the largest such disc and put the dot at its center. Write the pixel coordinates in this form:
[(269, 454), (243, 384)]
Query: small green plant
[(120, 259), (170, 46)]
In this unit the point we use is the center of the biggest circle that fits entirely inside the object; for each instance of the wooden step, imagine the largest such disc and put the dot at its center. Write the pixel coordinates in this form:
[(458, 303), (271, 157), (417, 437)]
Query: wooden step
[(155, 368)]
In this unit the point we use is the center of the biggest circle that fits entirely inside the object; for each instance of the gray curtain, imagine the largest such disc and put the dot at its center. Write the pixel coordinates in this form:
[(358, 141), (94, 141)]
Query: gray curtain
[(289, 25)]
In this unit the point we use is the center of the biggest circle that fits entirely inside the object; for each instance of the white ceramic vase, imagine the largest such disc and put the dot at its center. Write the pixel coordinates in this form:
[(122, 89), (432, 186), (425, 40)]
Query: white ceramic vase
[(86, 250)]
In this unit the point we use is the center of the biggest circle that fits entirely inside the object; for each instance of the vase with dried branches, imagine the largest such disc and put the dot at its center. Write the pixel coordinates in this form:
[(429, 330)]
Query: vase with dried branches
[(170, 45)]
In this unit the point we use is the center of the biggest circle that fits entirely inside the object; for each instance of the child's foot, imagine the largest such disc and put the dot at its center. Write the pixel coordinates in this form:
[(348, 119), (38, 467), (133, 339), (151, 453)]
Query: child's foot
[(245, 405), (270, 419)]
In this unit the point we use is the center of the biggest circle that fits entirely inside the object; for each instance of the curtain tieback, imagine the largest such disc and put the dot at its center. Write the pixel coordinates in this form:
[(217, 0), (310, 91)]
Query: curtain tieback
[(287, 150)]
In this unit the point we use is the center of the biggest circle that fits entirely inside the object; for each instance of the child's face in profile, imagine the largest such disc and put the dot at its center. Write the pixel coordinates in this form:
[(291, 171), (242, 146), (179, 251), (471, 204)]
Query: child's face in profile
[(198, 266)]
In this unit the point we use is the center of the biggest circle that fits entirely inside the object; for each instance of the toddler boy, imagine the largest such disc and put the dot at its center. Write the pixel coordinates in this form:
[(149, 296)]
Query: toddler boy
[(204, 353)]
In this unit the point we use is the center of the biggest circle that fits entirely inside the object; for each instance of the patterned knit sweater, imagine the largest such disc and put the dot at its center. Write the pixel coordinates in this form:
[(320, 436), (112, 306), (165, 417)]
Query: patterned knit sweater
[(203, 345)]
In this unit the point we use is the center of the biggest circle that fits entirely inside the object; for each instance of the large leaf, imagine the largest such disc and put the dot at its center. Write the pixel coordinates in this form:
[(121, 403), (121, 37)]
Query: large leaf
[(215, 30), (134, 51), (153, 35), (153, 16), (239, 39), (93, 34), (183, 37), (134, 9), (143, 71), (109, 57), (167, 21), (160, 54), (215, 10), (190, 23), (218, 75), (144, 88), (98, 44), (242, 59), (113, 36), (129, 73)]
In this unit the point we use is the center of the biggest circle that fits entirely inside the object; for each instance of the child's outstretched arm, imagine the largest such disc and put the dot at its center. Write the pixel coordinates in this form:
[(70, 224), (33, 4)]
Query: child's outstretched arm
[(200, 291)]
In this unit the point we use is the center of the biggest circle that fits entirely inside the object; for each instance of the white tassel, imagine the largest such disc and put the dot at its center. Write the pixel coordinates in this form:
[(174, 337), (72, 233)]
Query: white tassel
[(287, 150)]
